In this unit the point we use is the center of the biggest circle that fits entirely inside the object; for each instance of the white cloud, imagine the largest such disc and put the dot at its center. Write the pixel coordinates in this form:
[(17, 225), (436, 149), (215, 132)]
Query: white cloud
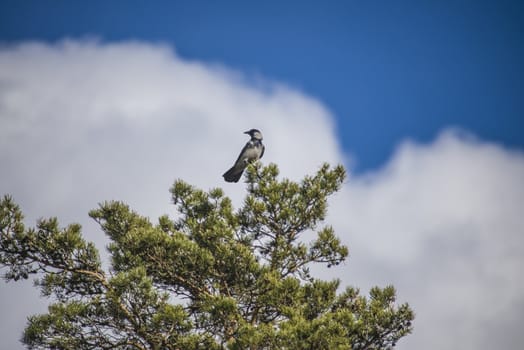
[(83, 122), (443, 223)]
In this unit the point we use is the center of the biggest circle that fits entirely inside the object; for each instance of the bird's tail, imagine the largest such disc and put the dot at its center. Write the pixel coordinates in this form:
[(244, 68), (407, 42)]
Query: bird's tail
[(233, 174)]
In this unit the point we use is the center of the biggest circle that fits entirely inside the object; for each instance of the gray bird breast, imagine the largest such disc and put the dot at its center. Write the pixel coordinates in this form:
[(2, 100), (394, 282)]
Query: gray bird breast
[(252, 153)]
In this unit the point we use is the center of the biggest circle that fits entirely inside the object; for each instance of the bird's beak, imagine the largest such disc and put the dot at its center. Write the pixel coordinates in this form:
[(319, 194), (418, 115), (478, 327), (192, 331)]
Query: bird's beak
[(246, 132)]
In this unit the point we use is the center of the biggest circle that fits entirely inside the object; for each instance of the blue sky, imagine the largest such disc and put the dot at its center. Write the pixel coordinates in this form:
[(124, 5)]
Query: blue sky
[(388, 70)]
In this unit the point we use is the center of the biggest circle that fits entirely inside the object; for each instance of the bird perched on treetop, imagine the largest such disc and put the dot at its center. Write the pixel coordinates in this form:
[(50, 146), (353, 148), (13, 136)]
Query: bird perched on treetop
[(252, 151)]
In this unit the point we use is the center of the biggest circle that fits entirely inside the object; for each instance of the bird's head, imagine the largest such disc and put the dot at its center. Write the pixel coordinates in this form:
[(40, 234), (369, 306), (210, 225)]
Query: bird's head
[(254, 133)]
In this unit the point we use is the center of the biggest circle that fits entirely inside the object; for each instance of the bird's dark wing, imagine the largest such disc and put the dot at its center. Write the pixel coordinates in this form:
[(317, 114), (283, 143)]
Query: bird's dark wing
[(248, 145), (263, 149)]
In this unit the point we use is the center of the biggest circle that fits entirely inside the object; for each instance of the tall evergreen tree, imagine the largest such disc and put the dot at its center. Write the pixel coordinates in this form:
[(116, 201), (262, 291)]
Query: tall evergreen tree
[(212, 278)]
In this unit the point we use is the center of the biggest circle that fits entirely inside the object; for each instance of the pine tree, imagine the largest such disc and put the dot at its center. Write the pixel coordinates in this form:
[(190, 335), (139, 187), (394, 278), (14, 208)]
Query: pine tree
[(212, 278)]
